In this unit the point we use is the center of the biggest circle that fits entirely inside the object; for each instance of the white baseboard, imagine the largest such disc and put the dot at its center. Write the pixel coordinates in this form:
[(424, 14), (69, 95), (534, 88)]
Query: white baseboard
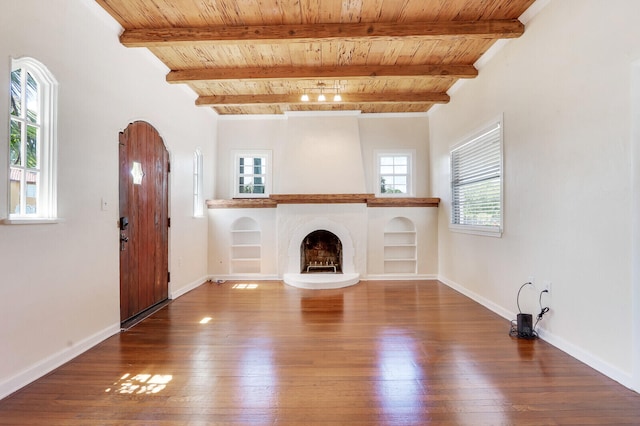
[(587, 358), (244, 277), (578, 353), (187, 288), (504, 313), (398, 277), (54, 361)]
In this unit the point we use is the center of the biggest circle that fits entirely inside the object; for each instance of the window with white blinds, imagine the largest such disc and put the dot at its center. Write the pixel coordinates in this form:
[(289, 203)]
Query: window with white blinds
[(476, 183)]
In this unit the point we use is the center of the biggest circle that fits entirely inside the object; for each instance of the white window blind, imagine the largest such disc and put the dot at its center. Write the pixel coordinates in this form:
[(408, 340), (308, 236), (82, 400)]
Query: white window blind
[(476, 182)]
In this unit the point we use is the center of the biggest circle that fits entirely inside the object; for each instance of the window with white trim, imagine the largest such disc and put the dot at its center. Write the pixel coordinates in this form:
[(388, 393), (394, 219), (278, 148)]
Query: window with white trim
[(198, 198), (32, 141), (394, 173), (252, 174), (476, 183)]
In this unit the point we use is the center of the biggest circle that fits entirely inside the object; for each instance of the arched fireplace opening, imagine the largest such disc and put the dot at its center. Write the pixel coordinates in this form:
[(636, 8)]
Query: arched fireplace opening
[(321, 252)]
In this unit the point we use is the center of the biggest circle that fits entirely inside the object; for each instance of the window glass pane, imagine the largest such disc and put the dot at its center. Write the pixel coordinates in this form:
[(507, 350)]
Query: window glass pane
[(386, 170), (400, 180), (16, 93), (401, 189), (32, 193), (14, 184), (32, 99), (15, 144), (386, 161), (400, 170), (258, 189), (401, 160), (32, 147)]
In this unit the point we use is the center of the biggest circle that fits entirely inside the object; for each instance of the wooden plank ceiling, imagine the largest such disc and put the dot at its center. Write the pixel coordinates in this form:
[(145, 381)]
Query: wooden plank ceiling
[(260, 56)]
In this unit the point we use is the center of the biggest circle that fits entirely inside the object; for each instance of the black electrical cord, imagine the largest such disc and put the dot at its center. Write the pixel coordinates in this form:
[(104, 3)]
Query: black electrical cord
[(518, 296), (542, 310), (513, 331)]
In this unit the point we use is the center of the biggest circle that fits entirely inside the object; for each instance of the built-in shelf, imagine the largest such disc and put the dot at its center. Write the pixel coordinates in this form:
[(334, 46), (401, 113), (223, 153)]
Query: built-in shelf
[(369, 199), (246, 247), (400, 247)]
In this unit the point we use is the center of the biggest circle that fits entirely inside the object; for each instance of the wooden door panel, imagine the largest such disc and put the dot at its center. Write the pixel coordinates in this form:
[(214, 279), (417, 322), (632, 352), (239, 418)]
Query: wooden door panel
[(144, 258)]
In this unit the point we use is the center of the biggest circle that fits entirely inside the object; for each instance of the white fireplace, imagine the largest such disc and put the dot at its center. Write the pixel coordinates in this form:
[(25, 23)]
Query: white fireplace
[(317, 158), (345, 221)]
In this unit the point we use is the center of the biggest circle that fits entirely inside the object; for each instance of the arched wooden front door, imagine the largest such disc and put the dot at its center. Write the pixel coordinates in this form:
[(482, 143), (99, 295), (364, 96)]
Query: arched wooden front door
[(144, 220)]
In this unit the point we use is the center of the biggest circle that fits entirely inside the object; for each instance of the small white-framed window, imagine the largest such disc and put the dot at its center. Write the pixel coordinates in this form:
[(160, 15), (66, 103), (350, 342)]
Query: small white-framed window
[(198, 197), (252, 172), (476, 182), (395, 173), (32, 141)]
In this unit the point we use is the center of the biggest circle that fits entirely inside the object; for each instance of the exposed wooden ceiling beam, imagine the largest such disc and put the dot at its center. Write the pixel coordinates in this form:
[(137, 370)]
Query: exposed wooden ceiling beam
[(318, 73), (276, 34), (347, 98)]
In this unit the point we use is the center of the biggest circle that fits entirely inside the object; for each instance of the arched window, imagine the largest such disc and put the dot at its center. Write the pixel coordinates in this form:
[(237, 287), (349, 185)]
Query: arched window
[(32, 141)]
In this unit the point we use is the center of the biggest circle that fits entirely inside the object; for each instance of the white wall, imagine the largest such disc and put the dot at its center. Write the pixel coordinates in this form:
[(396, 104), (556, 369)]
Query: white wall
[(564, 90), (59, 291), (321, 154), (395, 131), (278, 133), (635, 215)]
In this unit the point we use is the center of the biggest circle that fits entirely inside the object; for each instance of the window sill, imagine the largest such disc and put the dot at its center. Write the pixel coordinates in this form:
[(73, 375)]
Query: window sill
[(487, 231), (29, 221)]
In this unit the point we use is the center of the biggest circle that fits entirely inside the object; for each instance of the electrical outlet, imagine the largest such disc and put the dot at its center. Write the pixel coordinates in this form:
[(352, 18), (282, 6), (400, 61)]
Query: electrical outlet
[(546, 285)]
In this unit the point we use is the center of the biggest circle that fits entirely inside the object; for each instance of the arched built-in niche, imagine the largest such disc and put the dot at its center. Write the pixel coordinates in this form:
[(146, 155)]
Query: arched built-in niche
[(246, 246), (400, 246)]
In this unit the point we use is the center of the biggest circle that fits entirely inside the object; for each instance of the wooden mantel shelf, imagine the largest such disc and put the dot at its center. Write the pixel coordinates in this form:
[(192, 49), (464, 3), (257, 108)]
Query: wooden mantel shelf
[(321, 198), (369, 199), (403, 202), (242, 203)]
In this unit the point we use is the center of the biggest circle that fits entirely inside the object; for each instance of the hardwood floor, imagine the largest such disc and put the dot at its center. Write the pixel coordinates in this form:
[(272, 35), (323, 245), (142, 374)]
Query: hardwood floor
[(378, 353)]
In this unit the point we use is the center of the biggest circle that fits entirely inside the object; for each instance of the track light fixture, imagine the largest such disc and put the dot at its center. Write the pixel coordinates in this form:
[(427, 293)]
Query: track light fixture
[(322, 87)]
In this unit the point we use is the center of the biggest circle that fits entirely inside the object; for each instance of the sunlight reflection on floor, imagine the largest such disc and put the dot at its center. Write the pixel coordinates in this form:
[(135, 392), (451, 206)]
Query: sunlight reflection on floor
[(140, 384)]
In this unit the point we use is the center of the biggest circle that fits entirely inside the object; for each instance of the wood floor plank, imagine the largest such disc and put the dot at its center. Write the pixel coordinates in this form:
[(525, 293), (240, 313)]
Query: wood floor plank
[(378, 353)]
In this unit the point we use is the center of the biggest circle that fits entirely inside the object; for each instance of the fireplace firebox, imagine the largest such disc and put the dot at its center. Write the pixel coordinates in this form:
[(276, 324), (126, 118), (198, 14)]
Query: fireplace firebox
[(321, 252)]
